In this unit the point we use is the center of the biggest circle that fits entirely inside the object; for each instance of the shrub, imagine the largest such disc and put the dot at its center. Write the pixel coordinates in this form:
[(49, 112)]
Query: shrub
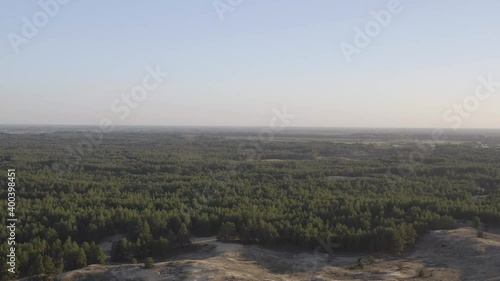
[(149, 263), (421, 273), (361, 263), (371, 260)]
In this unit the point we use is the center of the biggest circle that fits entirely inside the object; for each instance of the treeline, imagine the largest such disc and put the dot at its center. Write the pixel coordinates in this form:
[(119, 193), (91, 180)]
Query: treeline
[(44, 258), (155, 191)]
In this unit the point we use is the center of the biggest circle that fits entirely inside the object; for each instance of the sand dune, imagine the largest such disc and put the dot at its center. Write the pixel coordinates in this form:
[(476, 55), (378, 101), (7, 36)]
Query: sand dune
[(443, 255)]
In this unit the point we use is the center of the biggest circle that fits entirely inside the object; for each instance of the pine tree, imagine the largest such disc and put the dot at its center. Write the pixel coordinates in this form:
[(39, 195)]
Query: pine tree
[(81, 259), (38, 268), (120, 250), (202, 226), (171, 236), (99, 255), (149, 263), (183, 236), (227, 231), (245, 235), (95, 253), (48, 265), (160, 247), (476, 221)]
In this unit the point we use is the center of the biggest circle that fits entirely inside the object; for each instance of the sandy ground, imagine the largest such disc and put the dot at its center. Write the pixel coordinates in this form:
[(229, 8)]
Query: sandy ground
[(443, 255)]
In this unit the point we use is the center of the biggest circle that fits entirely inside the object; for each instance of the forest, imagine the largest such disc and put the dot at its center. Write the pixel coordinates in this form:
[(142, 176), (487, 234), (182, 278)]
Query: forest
[(157, 189)]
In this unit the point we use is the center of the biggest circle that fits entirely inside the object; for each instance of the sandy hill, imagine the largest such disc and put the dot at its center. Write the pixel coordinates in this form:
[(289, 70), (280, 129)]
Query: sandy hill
[(441, 255)]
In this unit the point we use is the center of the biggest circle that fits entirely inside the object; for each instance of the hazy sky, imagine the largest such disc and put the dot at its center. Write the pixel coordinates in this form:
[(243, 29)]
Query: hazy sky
[(234, 67)]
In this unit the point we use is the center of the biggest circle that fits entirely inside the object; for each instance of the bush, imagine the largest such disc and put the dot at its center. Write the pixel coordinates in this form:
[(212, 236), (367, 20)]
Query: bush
[(371, 260), (352, 267), (476, 221), (361, 263), (421, 273), (149, 263)]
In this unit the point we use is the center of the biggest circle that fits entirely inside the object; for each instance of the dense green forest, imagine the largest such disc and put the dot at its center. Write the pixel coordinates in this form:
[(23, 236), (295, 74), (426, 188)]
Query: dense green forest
[(158, 189)]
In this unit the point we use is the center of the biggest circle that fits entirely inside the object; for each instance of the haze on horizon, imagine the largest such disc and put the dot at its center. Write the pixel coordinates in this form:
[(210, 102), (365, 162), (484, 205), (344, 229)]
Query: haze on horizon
[(260, 58)]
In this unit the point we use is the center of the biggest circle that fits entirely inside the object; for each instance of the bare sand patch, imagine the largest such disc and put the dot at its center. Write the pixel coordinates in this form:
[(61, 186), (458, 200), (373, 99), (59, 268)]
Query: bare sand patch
[(442, 255)]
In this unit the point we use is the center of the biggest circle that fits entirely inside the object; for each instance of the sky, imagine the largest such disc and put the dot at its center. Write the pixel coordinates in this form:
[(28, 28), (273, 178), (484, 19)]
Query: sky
[(243, 63)]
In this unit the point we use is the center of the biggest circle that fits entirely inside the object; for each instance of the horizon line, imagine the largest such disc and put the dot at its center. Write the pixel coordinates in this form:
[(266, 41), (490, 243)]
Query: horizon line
[(252, 126)]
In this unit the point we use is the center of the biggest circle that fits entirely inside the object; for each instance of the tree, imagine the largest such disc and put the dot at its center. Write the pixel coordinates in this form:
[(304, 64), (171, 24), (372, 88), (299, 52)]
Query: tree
[(95, 253), (73, 256), (99, 255), (480, 232), (227, 231), (142, 191), (171, 236), (120, 251), (409, 234), (160, 247), (183, 236), (267, 234), (38, 268), (58, 266), (48, 266), (149, 263), (396, 241), (81, 258), (145, 233), (202, 226), (476, 221), (4, 274), (478, 226)]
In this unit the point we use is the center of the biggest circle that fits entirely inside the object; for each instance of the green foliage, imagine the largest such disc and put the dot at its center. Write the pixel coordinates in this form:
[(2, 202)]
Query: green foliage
[(476, 221), (49, 266), (38, 268), (202, 227), (371, 260), (227, 231), (361, 263), (94, 253), (183, 235), (121, 250), (149, 263), (479, 227), (480, 232), (156, 188)]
